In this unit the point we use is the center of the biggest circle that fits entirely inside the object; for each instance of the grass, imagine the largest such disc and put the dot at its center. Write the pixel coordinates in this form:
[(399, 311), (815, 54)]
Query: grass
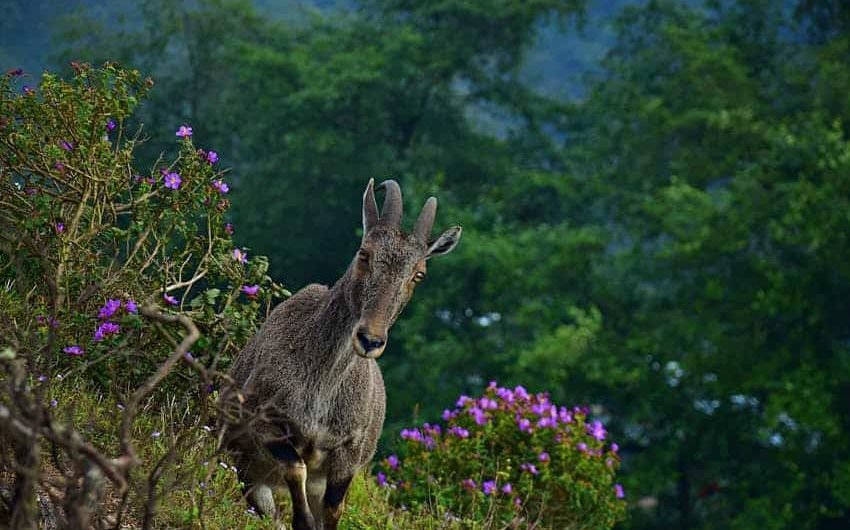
[(199, 487)]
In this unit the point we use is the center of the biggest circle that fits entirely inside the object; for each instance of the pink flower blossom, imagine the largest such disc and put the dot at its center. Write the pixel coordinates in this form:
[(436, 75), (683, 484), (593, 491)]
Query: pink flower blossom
[(618, 490), (109, 309), (250, 290), (488, 487), (106, 329), (172, 180), (184, 131), (530, 468), (240, 255), (169, 299), (221, 186), (597, 430), (73, 350)]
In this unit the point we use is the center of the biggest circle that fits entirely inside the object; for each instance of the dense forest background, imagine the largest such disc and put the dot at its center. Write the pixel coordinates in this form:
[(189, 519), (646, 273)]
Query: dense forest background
[(655, 199)]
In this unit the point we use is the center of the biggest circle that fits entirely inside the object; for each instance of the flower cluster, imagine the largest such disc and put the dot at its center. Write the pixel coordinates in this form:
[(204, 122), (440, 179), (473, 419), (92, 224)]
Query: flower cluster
[(512, 452), (107, 313)]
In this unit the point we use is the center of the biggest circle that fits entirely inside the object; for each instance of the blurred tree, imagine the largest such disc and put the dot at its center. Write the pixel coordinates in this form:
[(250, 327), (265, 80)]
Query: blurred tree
[(722, 177)]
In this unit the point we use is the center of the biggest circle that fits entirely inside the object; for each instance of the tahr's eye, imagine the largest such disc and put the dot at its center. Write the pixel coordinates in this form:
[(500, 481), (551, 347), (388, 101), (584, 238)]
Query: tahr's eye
[(363, 255), (419, 276)]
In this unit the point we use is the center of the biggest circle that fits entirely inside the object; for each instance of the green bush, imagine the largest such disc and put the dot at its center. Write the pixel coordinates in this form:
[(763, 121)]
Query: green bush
[(87, 238), (509, 458)]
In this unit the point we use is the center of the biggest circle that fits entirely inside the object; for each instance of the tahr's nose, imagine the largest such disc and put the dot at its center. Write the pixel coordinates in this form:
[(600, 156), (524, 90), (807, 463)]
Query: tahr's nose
[(369, 342)]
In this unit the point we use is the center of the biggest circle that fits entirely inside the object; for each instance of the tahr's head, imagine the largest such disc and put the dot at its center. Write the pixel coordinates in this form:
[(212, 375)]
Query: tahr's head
[(389, 264)]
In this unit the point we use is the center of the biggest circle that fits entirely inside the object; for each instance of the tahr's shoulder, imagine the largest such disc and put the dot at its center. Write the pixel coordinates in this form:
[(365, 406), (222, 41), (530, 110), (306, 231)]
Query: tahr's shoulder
[(307, 300)]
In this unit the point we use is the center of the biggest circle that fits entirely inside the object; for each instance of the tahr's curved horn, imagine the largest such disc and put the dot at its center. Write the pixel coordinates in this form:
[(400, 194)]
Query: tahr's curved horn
[(370, 207), (425, 222), (393, 207)]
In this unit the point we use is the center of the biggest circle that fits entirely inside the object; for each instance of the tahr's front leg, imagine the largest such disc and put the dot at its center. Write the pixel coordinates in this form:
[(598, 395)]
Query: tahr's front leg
[(295, 474), (334, 501)]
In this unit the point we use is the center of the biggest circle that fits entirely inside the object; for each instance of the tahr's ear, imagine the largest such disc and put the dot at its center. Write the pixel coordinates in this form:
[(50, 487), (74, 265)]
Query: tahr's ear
[(445, 243)]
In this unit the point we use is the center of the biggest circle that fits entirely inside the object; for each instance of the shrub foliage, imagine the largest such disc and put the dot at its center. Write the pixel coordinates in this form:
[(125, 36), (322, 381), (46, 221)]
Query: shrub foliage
[(509, 458), (87, 236)]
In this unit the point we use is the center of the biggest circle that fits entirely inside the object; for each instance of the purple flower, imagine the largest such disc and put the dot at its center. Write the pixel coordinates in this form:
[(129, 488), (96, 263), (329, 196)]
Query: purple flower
[(618, 490), (479, 415), (172, 180), (169, 299), (184, 131), (240, 255), (42, 378), (530, 468), (505, 394), (66, 145), (597, 430), (110, 124), (521, 393), (614, 447), (447, 415), (53, 403), (381, 479), (59, 166), (459, 431), (109, 309), (433, 430), (72, 350), (28, 90), (468, 484), (543, 457), (547, 422), (463, 400), (524, 425), (60, 227), (507, 489), (250, 290), (212, 157), (130, 306), (582, 447), (221, 186), (413, 435), (228, 229), (487, 404), (489, 487), (564, 415), (106, 329), (392, 461), (15, 72)]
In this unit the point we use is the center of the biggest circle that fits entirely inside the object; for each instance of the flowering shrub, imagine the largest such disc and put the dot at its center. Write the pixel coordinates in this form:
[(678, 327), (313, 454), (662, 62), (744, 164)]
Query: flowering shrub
[(87, 239), (509, 458)]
